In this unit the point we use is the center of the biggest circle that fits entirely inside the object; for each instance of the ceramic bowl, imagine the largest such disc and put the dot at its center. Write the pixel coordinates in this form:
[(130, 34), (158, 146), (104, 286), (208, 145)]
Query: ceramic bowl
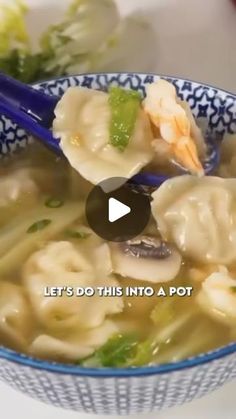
[(126, 390)]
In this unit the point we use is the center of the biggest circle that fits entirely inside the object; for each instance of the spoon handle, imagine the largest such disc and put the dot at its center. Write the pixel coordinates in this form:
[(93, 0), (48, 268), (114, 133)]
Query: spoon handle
[(29, 124), (37, 104), (31, 109)]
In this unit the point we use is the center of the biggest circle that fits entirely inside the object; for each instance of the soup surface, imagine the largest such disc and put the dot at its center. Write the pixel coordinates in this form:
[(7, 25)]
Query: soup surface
[(45, 242)]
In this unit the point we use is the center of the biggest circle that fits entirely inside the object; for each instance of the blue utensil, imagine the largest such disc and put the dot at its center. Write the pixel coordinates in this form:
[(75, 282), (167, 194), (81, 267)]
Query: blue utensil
[(33, 110)]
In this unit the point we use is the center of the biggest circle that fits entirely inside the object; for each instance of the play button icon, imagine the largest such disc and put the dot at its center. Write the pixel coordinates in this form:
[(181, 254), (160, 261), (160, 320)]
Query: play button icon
[(116, 210), (117, 213)]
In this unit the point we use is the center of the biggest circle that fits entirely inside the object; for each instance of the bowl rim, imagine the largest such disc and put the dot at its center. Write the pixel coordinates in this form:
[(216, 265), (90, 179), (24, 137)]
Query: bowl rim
[(108, 372), (136, 73)]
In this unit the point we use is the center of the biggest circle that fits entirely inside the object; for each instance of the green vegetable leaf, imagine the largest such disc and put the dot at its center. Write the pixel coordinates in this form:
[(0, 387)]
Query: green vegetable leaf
[(13, 31), (122, 351), (53, 203), (124, 105), (69, 44), (143, 354), (115, 353), (24, 66), (91, 37), (233, 289), (163, 313), (117, 350), (39, 225), (30, 68)]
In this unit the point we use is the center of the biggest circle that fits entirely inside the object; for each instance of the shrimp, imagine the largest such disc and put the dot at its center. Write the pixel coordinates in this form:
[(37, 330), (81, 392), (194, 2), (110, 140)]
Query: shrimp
[(218, 297), (176, 125)]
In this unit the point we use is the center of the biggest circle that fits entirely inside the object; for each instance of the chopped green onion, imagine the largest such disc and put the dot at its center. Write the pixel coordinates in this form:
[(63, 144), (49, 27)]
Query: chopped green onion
[(54, 203), (77, 234), (39, 225)]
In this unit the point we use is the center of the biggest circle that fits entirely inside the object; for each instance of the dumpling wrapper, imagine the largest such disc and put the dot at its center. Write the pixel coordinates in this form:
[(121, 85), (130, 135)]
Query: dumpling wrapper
[(15, 318), (15, 185), (199, 216), (76, 347), (218, 298), (61, 264), (82, 125)]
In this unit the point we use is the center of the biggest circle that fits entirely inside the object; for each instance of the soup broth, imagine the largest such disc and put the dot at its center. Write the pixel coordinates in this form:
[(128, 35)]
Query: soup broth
[(45, 242)]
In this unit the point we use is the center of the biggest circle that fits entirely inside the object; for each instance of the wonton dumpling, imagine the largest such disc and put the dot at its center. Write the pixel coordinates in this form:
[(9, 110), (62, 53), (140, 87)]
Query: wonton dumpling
[(199, 216), (218, 297), (82, 124), (66, 264), (16, 185), (14, 315), (76, 346)]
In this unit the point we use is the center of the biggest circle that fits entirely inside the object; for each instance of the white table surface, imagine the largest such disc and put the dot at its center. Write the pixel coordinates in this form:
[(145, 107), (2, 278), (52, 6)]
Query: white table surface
[(195, 39)]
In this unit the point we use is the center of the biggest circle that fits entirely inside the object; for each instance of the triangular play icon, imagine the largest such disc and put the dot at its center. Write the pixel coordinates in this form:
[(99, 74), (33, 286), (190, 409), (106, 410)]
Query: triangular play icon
[(117, 210)]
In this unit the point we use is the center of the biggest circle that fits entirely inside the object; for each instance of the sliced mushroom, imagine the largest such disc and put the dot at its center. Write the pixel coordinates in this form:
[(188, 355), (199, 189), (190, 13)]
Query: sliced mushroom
[(146, 258)]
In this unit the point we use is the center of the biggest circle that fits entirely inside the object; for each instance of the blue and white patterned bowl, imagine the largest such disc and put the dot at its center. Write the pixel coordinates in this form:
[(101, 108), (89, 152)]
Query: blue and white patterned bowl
[(136, 390)]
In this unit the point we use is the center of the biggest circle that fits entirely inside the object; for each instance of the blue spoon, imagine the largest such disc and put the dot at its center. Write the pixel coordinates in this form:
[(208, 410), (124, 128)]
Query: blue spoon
[(33, 110)]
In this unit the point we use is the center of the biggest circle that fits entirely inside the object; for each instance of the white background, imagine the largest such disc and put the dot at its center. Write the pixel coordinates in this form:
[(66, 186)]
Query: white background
[(195, 39)]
